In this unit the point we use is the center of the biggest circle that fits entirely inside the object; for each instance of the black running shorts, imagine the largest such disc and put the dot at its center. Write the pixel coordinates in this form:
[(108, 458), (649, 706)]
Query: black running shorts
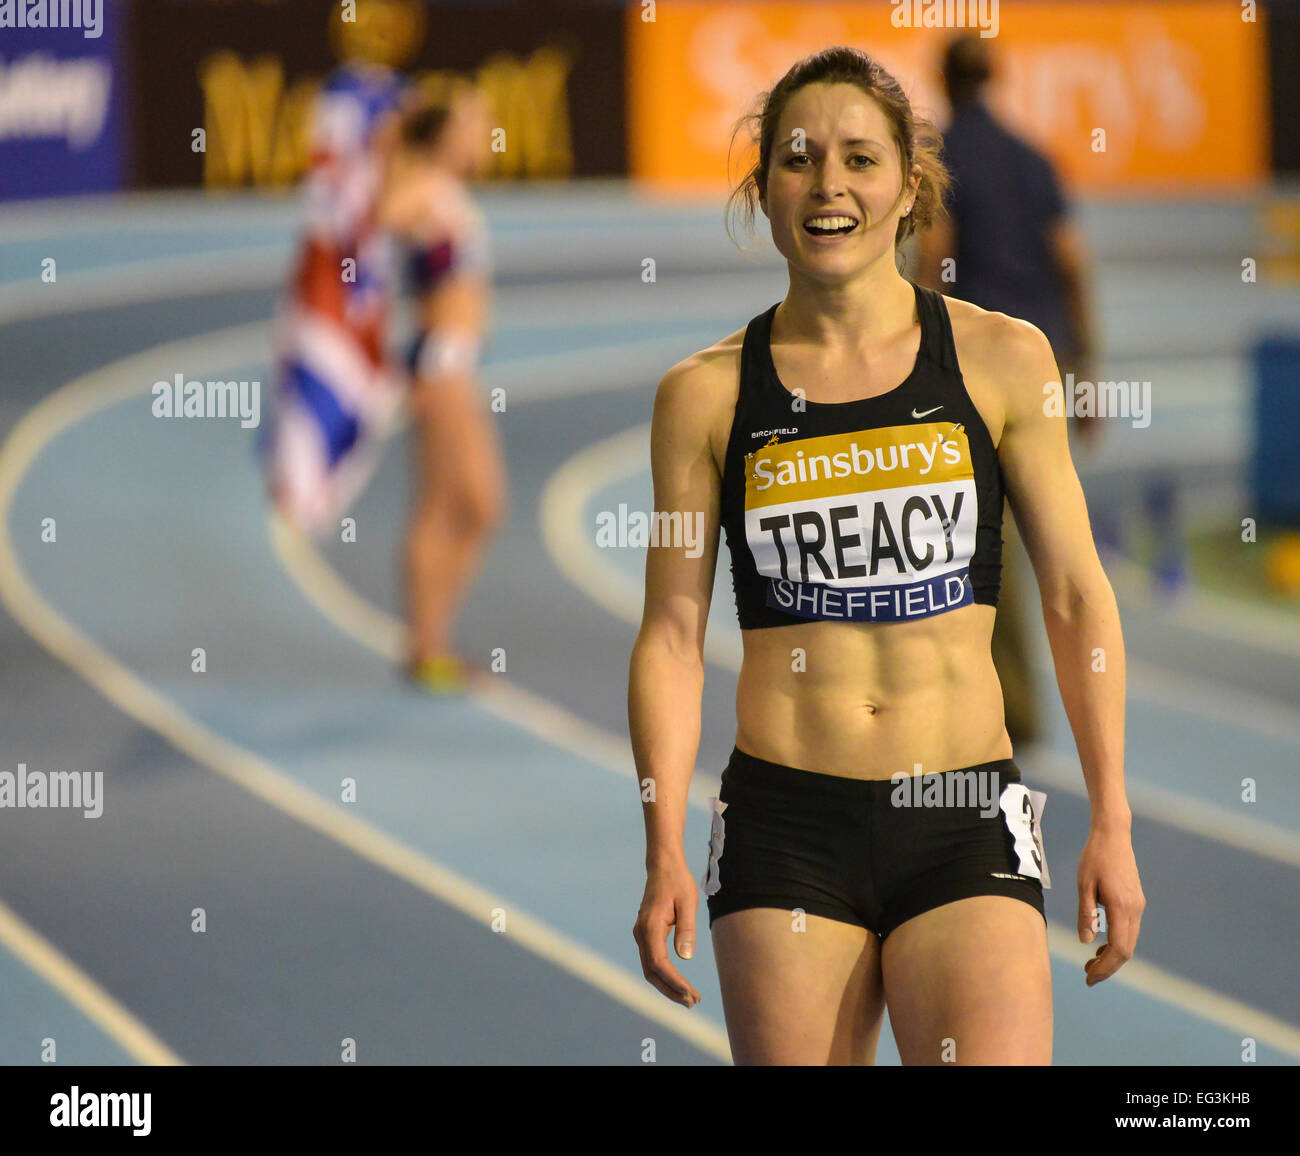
[(874, 853)]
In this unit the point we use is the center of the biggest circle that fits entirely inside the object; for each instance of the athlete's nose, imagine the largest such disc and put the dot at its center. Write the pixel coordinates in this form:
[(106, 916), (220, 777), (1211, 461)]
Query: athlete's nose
[(829, 184)]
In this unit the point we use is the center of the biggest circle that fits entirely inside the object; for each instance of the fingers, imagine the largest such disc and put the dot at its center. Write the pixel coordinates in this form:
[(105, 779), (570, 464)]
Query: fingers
[(1106, 963), (1121, 941), (684, 933), (1088, 914), (651, 935), (1123, 920)]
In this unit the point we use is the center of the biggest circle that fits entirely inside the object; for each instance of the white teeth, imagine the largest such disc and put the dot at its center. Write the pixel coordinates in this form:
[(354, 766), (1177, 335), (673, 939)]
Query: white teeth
[(830, 222)]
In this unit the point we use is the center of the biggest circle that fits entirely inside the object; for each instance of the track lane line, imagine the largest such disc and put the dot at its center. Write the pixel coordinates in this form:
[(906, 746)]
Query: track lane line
[(115, 383), (57, 970)]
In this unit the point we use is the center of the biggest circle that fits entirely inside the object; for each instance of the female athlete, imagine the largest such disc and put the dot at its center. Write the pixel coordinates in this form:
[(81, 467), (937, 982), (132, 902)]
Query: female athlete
[(460, 492), (872, 844)]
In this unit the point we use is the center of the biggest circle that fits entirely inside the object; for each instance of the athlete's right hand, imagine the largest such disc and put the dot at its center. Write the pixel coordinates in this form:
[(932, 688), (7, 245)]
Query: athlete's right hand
[(670, 900)]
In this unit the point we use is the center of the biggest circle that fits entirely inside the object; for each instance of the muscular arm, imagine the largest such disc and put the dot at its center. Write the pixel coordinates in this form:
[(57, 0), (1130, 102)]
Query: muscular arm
[(667, 667), (1083, 629), (1079, 607), (667, 670)]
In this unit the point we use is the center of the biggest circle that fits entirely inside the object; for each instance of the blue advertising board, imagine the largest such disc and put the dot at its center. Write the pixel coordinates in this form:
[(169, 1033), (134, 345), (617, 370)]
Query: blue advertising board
[(62, 91)]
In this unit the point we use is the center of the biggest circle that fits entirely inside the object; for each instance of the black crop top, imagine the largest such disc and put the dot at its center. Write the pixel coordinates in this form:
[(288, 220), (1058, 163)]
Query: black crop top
[(884, 509)]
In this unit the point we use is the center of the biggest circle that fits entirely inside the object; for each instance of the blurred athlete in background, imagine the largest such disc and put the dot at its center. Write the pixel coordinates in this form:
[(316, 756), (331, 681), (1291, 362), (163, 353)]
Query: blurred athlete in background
[(1016, 251), (382, 152), (460, 489)]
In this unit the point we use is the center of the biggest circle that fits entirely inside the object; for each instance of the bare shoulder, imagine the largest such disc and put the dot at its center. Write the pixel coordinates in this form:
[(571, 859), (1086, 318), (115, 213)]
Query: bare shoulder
[(698, 395), (1005, 361), (710, 371), (987, 337), (424, 206)]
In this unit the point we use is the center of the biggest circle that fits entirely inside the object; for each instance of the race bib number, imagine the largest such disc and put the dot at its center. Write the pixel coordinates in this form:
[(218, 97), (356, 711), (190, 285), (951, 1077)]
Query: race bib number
[(717, 835), (1023, 811), (876, 525)]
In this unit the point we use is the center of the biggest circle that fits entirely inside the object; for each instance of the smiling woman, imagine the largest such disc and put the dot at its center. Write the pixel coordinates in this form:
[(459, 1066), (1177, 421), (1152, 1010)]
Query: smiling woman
[(856, 443), (917, 140)]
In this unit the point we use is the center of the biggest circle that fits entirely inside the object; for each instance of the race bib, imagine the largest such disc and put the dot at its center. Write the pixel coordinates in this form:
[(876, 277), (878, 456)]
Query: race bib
[(875, 525), (1023, 811), (717, 835)]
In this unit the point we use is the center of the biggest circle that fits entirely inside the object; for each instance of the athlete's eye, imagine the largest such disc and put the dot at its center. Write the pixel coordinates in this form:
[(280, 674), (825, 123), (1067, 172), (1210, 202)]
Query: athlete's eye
[(856, 157)]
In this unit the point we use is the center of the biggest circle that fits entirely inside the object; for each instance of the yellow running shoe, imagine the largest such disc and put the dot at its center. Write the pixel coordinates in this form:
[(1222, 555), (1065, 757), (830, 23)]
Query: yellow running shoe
[(443, 674)]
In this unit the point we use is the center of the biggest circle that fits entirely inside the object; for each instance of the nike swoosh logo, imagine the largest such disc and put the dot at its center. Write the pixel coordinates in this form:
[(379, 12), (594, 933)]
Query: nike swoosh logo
[(928, 412)]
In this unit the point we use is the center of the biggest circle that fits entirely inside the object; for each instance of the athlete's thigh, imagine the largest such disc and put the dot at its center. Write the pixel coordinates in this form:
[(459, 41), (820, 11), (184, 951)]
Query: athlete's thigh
[(798, 989), (970, 982), (456, 438)]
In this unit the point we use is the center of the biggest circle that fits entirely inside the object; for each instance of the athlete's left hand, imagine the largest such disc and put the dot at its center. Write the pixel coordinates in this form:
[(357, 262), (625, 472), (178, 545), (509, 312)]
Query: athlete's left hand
[(1108, 876)]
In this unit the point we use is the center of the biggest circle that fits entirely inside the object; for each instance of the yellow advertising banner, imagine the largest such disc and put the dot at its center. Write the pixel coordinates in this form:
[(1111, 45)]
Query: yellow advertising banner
[(1127, 97)]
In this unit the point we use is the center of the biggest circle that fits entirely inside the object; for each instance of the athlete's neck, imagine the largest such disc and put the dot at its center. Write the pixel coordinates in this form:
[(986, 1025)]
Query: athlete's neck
[(847, 316)]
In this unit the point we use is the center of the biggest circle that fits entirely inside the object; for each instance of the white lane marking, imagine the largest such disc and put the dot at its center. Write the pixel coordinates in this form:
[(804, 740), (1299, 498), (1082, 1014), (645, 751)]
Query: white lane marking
[(381, 632), (1158, 984), (1163, 805), (128, 377), (56, 969)]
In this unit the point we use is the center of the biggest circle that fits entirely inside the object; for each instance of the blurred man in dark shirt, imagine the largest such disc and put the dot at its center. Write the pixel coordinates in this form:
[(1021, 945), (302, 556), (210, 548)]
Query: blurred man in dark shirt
[(1015, 250)]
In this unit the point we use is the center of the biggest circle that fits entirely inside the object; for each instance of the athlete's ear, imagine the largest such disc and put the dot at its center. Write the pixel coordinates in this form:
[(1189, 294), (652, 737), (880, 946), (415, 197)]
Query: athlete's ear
[(914, 180)]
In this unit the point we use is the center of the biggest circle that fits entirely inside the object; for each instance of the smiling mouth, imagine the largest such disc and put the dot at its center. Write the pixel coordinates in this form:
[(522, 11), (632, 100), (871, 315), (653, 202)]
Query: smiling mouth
[(830, 225)]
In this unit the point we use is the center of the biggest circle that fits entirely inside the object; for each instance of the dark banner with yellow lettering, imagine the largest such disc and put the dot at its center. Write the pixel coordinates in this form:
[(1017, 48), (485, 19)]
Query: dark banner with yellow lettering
[(223, 89)]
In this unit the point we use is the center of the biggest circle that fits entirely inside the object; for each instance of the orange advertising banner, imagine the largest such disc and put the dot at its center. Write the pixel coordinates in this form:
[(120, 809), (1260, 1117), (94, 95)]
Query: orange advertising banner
[(1126, 97)]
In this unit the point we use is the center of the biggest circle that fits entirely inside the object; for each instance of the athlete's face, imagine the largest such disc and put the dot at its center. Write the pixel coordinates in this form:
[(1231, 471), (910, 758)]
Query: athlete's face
[(465, 143), (834, 156)]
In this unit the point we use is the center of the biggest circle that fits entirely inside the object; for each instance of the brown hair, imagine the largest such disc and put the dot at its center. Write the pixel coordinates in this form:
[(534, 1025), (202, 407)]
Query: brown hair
[(919, 142), (426, 109)]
